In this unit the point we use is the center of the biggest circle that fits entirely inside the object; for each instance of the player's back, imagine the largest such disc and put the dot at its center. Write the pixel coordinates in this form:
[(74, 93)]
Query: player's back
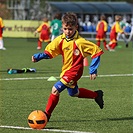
[(56, 25), (45, 29)]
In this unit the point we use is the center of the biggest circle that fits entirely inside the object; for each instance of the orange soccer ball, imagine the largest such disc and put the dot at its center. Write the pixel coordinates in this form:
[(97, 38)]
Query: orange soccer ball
[(37, 119)]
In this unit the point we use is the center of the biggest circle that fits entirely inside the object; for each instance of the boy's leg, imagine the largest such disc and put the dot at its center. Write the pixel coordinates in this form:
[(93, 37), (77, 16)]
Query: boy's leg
[(2, 44), (113, 45), (97, 95), (51, 104), (98, 43), (39, 44), (85, 93), (125, 40), (54, 98), (105, 43)]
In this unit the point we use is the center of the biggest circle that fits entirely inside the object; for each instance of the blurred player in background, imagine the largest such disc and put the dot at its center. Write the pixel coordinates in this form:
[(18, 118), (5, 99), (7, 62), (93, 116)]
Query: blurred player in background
[(131, 33), (123, 26), (73, 49), (1, 32), (56, 26), (101, 30), (115, 29), (44, 30)]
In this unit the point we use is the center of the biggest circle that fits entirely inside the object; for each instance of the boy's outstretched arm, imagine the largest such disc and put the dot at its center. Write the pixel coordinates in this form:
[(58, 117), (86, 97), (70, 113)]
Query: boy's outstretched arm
[(93, 67), (39, 56)]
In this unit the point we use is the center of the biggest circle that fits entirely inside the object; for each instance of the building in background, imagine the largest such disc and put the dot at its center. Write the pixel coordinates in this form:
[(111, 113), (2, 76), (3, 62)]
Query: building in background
[(88, 12)]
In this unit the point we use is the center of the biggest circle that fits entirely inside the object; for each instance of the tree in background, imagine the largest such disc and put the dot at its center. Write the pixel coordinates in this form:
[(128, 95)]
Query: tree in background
[(5, 13)]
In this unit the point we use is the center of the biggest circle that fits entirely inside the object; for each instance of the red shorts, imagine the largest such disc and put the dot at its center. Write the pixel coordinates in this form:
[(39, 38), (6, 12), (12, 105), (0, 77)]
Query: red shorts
[(44, 37), (70, 78), (100, 37)]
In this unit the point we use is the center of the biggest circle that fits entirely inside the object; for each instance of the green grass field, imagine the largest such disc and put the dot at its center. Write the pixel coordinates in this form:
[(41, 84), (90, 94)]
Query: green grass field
[(19, 97)]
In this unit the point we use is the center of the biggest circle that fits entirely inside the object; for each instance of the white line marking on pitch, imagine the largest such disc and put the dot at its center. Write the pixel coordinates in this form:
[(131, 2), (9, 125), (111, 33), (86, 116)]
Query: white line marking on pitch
[(50, 130), (31, 78)]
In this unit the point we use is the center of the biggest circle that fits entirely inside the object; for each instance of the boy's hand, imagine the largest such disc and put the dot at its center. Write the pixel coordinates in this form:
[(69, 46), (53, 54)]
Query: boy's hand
[(125, 33), (93, 76), (35, 33), (33, 59)]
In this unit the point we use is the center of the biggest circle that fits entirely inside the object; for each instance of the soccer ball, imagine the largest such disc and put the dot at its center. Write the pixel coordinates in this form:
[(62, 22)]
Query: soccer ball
[(37, 119)]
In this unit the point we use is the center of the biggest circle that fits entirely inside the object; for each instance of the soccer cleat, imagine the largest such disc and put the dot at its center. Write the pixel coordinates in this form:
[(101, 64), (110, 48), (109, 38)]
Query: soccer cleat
[(99, 98), (3, 48), (127, 45)]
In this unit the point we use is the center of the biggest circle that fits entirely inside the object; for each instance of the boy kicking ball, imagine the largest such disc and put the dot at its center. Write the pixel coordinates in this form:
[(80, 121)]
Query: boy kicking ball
[(73, 49)]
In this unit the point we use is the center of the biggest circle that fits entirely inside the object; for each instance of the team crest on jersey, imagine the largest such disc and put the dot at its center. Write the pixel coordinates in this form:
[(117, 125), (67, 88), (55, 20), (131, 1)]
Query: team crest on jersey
[(76, 52), (70, 83)]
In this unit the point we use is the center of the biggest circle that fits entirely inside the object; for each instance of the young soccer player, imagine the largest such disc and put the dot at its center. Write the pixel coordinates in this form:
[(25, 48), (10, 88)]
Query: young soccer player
[(115, 29), (44, 30), (73, 49), (101, 30), (1, 32), (56, 26), (123, 26), (131, 33)]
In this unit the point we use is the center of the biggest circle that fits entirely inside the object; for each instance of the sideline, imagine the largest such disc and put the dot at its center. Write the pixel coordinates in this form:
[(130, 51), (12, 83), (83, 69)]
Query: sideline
[(32, 78)]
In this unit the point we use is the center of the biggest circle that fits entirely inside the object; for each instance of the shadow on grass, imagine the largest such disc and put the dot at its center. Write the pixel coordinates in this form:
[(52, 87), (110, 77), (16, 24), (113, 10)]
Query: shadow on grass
[(108, 119), (70, 121), (119, 119), (46, 71), (38, 71)]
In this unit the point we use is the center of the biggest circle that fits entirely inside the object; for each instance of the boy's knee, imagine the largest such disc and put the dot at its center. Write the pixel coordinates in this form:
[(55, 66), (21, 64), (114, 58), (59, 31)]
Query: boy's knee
[(55, 91), (73, 95), (73, 92)]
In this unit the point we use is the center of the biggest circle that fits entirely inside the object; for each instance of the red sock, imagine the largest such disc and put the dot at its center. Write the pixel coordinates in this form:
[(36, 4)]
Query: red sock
[(84, 93), (104, 43), (51, 104), (98, 43), (113, 45), (39, 44)]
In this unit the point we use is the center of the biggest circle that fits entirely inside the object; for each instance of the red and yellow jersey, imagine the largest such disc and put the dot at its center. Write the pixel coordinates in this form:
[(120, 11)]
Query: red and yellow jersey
[(73, 52), (101, 26), (101, 30), (116, 28), (44, 28), (1, 27)]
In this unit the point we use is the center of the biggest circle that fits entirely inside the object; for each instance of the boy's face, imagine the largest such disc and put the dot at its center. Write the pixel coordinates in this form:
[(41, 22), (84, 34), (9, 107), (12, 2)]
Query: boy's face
[(68, 30)]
